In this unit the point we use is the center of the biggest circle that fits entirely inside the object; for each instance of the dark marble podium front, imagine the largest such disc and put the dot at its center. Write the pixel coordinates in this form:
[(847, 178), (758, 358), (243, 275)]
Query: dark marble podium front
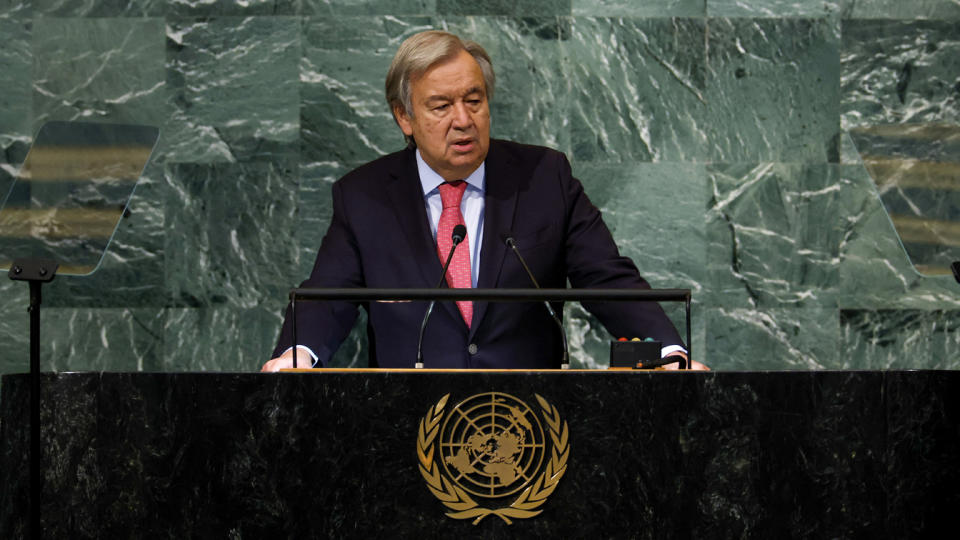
[(652, 455)]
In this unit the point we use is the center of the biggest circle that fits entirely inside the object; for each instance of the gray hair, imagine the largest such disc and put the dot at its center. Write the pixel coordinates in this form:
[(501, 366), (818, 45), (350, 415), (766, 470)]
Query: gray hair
[(421, 51)]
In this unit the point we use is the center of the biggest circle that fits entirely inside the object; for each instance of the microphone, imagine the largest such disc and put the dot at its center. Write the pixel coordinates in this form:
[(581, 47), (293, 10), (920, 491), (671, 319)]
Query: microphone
[(512, 244), (459, 233)]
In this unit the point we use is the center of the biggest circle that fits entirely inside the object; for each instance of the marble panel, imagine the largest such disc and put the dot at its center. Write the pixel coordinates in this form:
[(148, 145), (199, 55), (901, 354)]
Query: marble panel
[(875, 272), (786, 338), (774, 232), (232, 234), (637, 89), (706, 455), (313, 218), (8, 172), (848, 150), (773, 9), (798, 458), (537, 8), (15, 325), (11, 159), (15, 71), (896, 72), (368, 7), (233, 84), (102, 339), (882, 147), (588, 342), (314, 210), (131, 273), (215, 8), (531, 97), (219, 338), (14, 8), (900, 339), (923, 419), (773, 90), (6, 180), (898, 9), (100, 8), (655, 212), (108, 70), (640, 8), (344, 117)]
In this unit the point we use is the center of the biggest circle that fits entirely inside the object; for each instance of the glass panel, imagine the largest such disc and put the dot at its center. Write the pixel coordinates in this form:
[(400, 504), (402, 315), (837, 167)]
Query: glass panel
[(71, 192), (916, 168)]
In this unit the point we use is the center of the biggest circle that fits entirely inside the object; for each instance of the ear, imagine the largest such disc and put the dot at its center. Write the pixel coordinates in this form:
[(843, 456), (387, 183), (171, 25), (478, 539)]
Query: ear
[(403, 120)]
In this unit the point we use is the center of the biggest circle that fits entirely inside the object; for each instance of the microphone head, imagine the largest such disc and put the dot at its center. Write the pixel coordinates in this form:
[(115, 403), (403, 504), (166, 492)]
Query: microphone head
[(459, 233), (508, 239)]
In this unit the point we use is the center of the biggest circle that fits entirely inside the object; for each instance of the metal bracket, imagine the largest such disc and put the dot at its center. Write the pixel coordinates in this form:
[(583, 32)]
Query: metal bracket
[(42, 270)]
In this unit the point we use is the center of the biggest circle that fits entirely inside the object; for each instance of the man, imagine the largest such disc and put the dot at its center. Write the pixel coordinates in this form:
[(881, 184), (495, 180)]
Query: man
[(392, 221)]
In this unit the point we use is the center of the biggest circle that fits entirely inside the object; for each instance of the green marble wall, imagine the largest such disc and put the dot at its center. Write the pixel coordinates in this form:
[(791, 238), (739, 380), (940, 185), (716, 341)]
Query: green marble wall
[(713, 134)]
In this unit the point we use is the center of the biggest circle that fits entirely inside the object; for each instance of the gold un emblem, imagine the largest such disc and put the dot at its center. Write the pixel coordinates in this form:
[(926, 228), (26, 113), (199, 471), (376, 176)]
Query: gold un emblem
[(492, 446)]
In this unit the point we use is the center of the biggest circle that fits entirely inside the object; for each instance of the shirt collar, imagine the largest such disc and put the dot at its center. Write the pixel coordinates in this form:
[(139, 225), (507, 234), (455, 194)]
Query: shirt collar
[(430, 180)]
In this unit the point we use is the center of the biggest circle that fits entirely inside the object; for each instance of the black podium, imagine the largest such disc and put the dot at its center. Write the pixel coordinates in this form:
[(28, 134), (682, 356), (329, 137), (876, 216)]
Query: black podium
[(590, 454)]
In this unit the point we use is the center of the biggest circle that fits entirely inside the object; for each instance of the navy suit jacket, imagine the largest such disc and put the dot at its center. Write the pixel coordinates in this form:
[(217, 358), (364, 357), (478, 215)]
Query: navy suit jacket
[(380, 237)]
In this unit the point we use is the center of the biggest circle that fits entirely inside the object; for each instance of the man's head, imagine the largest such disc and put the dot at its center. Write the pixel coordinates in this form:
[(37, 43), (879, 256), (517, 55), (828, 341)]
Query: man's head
[(438, 88)]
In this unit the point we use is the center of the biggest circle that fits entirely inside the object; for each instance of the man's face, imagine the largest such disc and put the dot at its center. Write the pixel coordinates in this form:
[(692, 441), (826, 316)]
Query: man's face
[(451, 116)]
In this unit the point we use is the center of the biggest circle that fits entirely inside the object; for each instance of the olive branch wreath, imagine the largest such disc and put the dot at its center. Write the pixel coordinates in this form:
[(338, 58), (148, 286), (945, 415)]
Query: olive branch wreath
[(459, 501)]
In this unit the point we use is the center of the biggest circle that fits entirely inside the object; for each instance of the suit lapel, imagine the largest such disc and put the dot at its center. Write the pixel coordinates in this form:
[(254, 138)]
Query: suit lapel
[(406, 196), (500, 201)]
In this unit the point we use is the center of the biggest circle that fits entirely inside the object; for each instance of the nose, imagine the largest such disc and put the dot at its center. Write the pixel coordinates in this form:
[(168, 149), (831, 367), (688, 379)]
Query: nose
[(461, 116)]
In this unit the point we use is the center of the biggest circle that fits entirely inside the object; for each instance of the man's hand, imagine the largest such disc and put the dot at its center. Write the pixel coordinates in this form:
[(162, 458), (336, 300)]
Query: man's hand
[(285, 361), (696, 366)]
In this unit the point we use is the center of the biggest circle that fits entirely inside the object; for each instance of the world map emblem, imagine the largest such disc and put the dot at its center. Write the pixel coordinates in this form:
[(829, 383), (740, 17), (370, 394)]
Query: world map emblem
[(492, 454)]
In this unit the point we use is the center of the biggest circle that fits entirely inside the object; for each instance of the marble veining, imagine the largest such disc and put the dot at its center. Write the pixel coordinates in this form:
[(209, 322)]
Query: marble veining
[(641, 8), (898, 71), (621, 71), (706, 455), (712, 133), (773, 98), (894, 9), (773, 8)]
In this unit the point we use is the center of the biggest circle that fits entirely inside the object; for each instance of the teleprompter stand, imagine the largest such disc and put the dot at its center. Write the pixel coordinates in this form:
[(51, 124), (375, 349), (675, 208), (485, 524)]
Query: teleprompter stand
[(36, 272), (59, 217)]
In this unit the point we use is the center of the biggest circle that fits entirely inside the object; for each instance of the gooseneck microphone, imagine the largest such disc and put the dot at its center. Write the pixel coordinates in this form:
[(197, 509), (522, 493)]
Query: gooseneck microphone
[(459, 233), (512, 244)]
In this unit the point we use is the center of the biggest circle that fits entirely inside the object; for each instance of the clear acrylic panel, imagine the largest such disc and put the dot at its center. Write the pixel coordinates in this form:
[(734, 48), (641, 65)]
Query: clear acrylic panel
[(71, 192), (916, 168)]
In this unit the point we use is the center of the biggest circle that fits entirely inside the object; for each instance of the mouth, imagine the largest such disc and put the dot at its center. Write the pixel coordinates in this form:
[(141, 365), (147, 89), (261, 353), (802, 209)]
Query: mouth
[(463, 145)]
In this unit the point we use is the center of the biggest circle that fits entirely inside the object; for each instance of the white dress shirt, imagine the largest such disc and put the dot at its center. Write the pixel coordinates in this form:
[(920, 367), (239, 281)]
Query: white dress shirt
[(471, 206)]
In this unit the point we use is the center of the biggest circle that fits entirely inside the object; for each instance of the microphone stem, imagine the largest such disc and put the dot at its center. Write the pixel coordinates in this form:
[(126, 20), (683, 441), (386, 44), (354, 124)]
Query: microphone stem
[(565, 359), (513, 246), (423, 324)]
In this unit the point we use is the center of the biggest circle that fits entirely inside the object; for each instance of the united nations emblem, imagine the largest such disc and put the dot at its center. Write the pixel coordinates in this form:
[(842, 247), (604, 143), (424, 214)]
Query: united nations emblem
[(492, 446)]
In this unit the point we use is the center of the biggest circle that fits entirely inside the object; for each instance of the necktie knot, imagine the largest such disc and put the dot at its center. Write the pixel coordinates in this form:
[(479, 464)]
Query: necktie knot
[(451, 193)]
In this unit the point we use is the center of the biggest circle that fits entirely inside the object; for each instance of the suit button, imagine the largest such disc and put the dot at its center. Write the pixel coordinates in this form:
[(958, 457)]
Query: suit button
[(472, 348)]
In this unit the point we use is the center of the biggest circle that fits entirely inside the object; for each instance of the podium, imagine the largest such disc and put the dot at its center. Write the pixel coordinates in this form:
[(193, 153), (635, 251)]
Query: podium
[(341, 453)]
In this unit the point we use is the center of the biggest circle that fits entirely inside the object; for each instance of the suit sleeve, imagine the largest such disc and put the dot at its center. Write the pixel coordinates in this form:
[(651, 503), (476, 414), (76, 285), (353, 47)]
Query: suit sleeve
[(322, 326), (593, 261)]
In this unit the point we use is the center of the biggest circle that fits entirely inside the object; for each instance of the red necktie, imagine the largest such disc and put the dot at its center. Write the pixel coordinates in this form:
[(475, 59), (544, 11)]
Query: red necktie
[(458, 274)]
